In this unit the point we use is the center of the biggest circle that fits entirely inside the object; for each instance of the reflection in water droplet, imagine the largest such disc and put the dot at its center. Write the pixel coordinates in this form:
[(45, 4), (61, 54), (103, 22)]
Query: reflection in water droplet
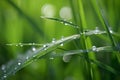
[(94, 48), (53, 40), (19, 63), (33, 49)]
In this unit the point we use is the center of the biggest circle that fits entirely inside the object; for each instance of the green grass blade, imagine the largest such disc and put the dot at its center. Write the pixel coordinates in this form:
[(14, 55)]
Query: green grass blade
[(30, 20), (62, 21), (14, 66)]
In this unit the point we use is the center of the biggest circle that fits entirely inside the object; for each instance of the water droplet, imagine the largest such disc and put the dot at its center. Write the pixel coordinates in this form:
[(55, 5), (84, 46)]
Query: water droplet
[(34, 55), (15, 68), (27, 57), (51, 58), (66, 23), (4, 76), (3, 67), (33, 49), (94, 48), (45, 47), (20, 44), (19, 63), (53, 40), (110, 29), (97, 30), (62, 38), (33, 43), (66, 58), (61, 44)]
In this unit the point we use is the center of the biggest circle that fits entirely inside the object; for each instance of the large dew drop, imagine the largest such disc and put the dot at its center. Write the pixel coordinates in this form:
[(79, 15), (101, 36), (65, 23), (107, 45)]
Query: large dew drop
[(66, 58)]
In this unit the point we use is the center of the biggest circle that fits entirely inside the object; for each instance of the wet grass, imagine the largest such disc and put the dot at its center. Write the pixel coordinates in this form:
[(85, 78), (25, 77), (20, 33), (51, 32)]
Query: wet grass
[(86, 47)]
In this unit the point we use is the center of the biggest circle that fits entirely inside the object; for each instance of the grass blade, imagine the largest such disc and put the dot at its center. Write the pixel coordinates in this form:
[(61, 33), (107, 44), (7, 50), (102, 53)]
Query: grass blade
[(14, 66), (62, 21)]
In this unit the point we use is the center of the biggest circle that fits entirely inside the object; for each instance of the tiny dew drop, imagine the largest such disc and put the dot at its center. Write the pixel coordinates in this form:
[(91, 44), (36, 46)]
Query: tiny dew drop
[(27, 57), (61, 44), (20, 44), (33, 49), (51, 58), (66, 23), (3, 67), (97, 30), (94, 48), (4, 76), (62, 38), (44, 46), (15, 68), (53, 40), (19, 63)]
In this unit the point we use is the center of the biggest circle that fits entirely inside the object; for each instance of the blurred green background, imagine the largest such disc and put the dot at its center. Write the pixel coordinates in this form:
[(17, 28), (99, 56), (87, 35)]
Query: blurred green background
[(21, 22)]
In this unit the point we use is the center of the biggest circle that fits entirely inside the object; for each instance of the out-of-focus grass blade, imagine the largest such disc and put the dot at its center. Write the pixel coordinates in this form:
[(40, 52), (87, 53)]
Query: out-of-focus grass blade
[(14, 66), (62, 21), (30, 20)]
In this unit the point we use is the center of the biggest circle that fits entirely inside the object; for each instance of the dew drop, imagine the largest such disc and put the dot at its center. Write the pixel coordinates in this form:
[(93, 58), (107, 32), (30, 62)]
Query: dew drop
[(61, 44), (15, 68), (33, 49), (3, 67), (111, 31), (97, 30), (51, 58), (53, 40), (27, 57), (33, 43), (19, 63), (94, 48), (45, 47), (66, 23), (62, 38), (4, 76)]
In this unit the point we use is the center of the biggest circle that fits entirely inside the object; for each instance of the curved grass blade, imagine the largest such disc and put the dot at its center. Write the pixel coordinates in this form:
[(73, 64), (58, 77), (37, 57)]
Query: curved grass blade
[(98, 63), (14, 66), (62, 21)]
